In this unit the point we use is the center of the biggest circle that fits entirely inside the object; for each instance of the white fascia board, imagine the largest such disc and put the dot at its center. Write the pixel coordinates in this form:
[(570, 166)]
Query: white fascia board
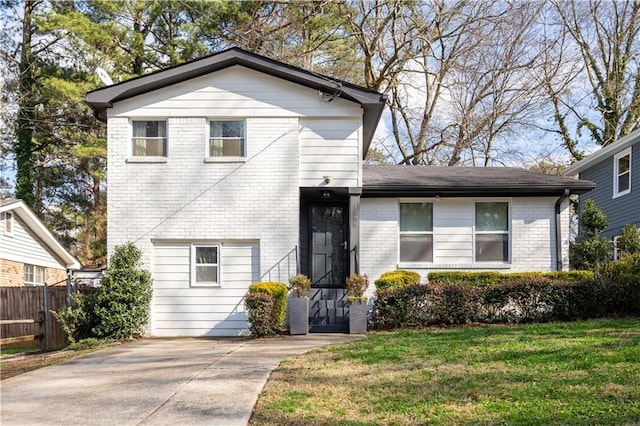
[(607, 151)]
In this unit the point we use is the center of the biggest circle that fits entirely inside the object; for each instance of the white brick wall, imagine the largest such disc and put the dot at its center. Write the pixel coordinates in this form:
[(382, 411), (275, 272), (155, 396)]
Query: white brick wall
[(189, 199), (532, 236)]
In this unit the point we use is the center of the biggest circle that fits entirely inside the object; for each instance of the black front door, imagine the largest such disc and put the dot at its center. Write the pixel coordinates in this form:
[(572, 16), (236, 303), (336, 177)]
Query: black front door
[(329, 266)]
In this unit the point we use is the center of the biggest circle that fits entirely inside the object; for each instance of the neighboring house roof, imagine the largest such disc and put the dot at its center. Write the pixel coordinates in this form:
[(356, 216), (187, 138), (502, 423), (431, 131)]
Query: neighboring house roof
[(608, 151), (372, 102), (380, 181), (19, 208)]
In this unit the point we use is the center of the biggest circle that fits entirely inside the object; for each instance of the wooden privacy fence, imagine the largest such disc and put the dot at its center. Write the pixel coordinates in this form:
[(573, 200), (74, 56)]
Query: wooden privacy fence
[(25, 314)]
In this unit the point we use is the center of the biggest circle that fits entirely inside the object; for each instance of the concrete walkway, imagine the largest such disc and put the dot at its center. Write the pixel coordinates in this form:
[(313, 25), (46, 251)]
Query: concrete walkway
[(184, 381)]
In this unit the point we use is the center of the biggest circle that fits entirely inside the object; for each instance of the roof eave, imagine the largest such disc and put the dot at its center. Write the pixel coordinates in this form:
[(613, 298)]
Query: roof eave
[(622, 143), (431, 191)]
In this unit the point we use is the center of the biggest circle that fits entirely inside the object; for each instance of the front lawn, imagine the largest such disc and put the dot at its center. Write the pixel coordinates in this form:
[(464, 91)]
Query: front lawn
[(585, 372)]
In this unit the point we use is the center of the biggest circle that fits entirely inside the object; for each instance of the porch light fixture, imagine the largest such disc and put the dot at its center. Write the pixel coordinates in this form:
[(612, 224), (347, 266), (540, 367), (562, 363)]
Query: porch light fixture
[(326, 194), (327, 179)]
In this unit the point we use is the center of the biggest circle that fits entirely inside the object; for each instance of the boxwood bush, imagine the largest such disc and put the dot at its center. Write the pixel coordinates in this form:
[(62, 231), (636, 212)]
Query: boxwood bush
[(397, 278), (278, 291), (481, 279), (521, 299), (260, 307)]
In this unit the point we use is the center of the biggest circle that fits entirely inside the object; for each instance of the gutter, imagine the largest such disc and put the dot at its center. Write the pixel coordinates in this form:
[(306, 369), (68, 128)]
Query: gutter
[(562, 199)]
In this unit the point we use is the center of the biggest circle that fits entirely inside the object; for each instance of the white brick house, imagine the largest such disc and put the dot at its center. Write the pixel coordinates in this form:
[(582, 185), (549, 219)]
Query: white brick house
[(234, 168)]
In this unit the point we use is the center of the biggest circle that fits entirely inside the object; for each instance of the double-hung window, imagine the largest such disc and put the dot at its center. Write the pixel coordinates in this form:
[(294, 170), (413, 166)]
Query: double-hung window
[(416, 232), (33, 275), (149, 138), (205, 265), (226, 138), (492, 232), (622, 173)]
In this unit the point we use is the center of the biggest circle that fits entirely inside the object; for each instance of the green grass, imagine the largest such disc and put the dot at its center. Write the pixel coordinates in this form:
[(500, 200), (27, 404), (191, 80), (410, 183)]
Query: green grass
[(12, 350), (558, 373)]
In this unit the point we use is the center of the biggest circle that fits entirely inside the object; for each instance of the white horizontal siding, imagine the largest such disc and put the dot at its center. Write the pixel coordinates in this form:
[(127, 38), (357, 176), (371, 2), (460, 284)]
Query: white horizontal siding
[(453, 232), (24, 246), (330, 147), (179, 309), (234, 92)]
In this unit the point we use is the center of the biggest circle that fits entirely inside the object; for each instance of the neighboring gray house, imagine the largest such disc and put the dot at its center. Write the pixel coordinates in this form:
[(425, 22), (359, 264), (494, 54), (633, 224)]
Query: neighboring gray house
[(616, 171), (235, 168)]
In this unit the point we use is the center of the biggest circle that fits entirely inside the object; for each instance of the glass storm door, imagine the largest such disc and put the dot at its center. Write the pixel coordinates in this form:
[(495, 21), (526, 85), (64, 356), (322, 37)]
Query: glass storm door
[(328, 246)]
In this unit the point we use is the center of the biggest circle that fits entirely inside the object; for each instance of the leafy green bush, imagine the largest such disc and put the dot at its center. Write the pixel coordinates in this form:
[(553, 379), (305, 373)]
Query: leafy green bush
[(119, 308), (629, 240), (454, 304), (260, 308), (278, 291), (397, 278), (76, 319), (622, 279), (122, 303), (590, 250)]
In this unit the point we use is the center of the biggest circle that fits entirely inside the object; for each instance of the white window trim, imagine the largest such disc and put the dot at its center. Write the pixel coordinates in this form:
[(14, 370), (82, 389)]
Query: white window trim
[(33, 283), (192, 266), (235, 159), (408, 264), (616, 173), (508, 233), (8, 222), (147, 158)]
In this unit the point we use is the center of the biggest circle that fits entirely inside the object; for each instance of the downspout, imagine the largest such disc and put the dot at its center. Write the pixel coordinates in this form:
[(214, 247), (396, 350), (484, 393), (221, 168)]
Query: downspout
[(562, 199)]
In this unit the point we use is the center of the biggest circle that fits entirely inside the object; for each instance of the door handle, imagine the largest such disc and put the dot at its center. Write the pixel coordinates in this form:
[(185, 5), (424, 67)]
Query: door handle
[(345, 245)]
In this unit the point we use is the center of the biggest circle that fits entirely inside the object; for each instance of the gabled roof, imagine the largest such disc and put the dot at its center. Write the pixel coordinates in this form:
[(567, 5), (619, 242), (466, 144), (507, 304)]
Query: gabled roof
[(431, 181), (19, 208), (372, 102), (602, 154)]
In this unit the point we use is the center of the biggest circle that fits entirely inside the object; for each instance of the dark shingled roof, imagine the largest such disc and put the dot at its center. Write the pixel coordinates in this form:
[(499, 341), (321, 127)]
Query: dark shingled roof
[(430, 181), (372, 102)]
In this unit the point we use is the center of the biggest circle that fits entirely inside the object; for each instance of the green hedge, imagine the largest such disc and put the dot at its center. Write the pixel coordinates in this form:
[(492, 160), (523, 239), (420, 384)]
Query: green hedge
[(279, 292), (260, 307), (532, 298), (397, 278), (482, 279)]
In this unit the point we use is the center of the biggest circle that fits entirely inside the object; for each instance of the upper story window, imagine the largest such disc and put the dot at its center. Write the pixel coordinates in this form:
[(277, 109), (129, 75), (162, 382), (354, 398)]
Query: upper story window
[(149, 138), (205, 265), (622, 173), (416, 232), (33, 275), (492, 232), (8, 223), (226, 138)]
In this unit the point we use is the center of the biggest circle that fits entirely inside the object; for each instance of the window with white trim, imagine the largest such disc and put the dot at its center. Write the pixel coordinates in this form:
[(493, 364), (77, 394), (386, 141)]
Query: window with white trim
[(622, 173), (149, 138), (205, 265), (33, 275), (416, 232), (8, 223), (226, 138), (491, 232)]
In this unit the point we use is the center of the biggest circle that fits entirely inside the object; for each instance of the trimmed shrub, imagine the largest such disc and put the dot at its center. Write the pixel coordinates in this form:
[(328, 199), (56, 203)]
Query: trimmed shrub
[(484, 279), (454, 304), (278, 291), (409, 306), (397, 278), (260, 307), (629, 239)]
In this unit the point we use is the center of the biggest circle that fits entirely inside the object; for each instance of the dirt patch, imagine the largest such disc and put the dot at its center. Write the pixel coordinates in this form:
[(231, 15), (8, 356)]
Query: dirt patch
[(18, 364)]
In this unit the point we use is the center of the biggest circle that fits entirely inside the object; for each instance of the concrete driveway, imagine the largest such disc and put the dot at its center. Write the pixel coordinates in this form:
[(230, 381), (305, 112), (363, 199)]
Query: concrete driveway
[(184, 381)]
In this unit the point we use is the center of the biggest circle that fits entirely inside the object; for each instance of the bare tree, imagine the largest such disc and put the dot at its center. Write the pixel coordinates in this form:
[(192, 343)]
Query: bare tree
[(605, 35)]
